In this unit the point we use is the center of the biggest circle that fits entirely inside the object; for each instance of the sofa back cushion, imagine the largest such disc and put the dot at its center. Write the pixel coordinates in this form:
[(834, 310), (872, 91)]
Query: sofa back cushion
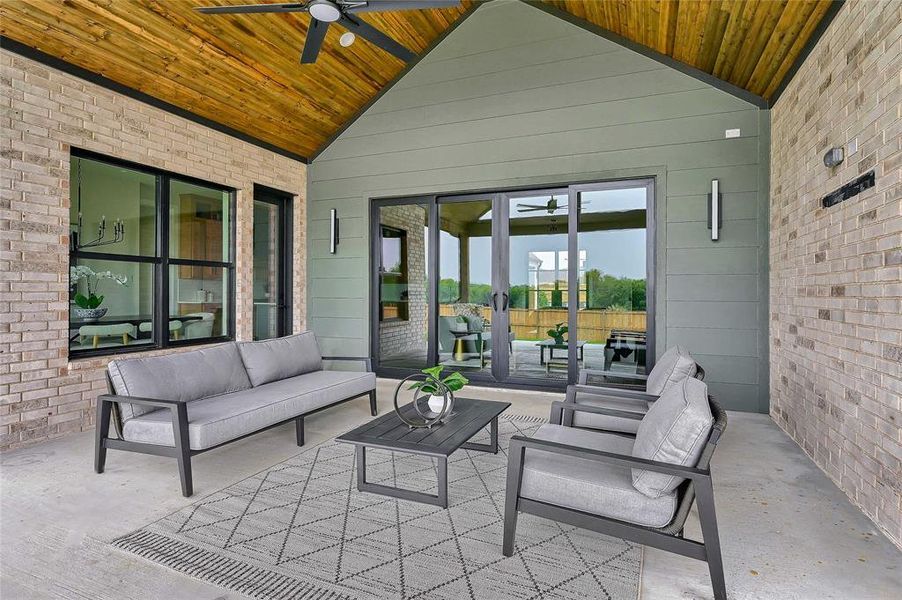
[(181, 376), (674, 366), (280, 358), (674, 430)]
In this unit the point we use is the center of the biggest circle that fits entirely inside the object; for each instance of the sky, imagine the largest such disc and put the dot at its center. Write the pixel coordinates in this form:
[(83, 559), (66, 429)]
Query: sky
[(618, 252)]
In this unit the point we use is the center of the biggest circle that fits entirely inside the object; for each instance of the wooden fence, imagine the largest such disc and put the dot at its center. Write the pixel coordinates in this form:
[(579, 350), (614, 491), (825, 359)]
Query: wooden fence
[(594, 326)]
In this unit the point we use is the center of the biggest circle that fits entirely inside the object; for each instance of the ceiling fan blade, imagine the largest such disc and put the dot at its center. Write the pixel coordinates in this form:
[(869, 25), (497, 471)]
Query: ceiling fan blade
[(254, 8), (316, 33), (533, 206), (386, 5), (368, 32)]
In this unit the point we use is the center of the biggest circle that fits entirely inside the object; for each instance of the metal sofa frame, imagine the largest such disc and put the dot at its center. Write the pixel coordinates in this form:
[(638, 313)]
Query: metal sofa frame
[(698, 487), (108, 410)]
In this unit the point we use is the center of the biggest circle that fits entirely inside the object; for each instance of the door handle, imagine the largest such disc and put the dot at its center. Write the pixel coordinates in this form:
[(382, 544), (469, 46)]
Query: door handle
[(505, 298), (495, 301)]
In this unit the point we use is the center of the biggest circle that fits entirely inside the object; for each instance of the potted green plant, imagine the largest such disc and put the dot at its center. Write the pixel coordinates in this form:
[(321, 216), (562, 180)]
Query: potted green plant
[(437, 387), (557, 333), (88, 306)]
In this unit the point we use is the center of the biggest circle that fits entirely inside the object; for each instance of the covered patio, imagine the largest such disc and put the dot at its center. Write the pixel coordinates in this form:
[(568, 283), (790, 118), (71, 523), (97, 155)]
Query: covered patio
[(451, 299)]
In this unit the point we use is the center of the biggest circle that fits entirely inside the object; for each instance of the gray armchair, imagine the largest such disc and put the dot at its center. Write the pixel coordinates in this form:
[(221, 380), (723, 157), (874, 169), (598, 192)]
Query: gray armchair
[(638, 489), (633, 402)]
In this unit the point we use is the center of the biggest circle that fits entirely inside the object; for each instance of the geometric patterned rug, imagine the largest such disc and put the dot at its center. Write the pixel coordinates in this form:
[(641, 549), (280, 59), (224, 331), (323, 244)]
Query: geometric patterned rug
[(301, 530)]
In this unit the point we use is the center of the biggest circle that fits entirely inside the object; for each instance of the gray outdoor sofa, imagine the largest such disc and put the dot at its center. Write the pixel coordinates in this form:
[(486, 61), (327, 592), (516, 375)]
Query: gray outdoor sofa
[(182, 404)]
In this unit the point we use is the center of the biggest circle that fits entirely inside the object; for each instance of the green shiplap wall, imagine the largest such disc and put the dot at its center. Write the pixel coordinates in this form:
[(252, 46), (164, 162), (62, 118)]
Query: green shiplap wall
[(515, 96)]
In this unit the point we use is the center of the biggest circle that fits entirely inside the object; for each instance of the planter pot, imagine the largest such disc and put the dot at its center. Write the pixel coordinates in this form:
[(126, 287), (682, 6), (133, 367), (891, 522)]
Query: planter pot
[(88, 314), (559, 341), (436, 403)]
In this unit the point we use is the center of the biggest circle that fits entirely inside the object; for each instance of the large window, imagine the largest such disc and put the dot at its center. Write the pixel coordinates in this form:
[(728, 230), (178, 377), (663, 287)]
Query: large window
[(151, 258)]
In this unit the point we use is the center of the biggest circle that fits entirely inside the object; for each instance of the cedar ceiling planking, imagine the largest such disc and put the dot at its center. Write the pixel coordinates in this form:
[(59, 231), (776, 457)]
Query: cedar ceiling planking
[(749, 43), (243, 71)]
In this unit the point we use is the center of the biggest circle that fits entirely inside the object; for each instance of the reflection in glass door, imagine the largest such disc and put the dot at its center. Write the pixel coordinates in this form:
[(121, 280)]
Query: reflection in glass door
[(534, 285), (272, 255), (530, 285), (614, 220), (401, 242), (464, 326)]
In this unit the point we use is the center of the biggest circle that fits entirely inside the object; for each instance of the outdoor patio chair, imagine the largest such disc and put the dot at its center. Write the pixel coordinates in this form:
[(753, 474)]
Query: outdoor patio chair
[(637, 489), (629, 403)]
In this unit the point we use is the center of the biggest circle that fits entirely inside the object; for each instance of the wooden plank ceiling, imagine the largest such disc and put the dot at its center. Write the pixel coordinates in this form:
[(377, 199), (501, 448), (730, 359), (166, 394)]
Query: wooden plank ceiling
[(243, 71)]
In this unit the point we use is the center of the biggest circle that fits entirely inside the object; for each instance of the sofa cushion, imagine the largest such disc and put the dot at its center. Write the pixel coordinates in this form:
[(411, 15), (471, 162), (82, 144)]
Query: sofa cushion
[(216, 420), (588, 485), (675, 430), (280, 358), (674, 366), (607, 422), (181, 376)]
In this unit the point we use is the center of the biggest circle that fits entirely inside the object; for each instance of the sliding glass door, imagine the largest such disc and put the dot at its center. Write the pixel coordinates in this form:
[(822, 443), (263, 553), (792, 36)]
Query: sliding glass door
[(522, 287)]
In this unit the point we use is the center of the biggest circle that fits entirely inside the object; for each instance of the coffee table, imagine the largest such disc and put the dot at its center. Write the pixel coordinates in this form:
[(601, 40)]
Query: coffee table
[(551, 345), (388, 432)]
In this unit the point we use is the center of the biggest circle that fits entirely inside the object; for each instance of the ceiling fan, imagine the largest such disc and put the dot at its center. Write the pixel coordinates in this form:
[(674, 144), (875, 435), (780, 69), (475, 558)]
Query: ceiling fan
[(551, 206), (324, 12)]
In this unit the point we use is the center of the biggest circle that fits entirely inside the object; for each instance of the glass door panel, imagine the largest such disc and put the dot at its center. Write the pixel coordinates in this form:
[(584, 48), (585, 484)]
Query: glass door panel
[(270, 319), (613, 221), (464, 325), (403, 301), (535, 295)]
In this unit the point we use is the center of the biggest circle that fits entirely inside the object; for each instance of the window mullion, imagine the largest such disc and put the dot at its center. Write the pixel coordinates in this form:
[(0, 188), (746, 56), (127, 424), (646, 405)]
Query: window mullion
[(162, 311)]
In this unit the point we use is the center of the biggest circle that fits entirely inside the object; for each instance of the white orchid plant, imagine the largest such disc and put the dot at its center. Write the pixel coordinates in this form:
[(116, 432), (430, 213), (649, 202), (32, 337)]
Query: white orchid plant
[(93, 280)]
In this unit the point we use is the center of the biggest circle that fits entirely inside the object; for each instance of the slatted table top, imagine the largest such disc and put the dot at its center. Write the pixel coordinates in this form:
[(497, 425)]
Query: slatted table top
[(389, 432)]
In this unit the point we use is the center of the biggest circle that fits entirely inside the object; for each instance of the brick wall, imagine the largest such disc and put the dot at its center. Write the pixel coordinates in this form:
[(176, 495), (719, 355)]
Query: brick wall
[(408, 337), (44, 113), (836, 273)]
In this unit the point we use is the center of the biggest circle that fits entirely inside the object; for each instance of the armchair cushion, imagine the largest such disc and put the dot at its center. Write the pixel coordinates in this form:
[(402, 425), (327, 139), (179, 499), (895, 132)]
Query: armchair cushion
[(674, 366), (675, 430), (280, 358), (591, 486), (181, 376), (607, 422), (219, 419)]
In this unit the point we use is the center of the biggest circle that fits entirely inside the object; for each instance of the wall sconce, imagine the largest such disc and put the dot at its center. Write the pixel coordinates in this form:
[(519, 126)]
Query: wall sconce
[(333, 230), (715, 210), (833, 157)]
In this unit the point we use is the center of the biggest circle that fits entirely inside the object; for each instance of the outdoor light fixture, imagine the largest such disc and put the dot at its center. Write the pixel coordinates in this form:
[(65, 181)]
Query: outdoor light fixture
[(833, 157), (333, 231), (346, 39), (715, 210), (323, 10)]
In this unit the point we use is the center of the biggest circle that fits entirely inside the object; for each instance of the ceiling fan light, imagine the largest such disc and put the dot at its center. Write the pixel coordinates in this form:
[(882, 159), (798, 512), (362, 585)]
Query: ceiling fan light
[(346, 39), (323, 10)]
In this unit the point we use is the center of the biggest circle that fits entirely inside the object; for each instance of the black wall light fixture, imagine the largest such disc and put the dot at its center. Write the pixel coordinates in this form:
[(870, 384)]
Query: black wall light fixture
[(853, 188), (715, 210), (333, 231)]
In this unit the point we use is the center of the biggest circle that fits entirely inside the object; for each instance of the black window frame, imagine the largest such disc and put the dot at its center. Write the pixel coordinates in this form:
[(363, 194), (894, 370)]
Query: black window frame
[(162, 261)]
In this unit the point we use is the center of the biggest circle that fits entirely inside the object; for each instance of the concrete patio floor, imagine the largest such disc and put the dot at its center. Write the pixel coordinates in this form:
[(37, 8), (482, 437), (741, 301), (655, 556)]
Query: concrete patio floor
[(787, 532)]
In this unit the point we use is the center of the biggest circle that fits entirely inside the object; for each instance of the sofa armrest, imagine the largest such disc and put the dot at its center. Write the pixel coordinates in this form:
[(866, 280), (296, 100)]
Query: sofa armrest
[(611, 392), (140, 401), (519, 442), (558, 409), (366, 360)]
